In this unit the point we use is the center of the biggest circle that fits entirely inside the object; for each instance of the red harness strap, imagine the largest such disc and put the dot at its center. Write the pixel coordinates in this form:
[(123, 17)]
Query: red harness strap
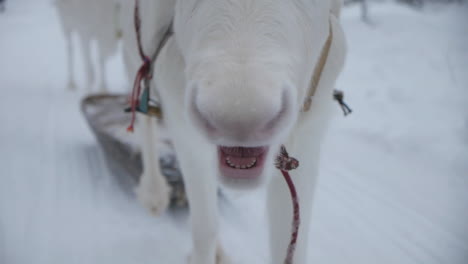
[(143, 72), (286, 163)]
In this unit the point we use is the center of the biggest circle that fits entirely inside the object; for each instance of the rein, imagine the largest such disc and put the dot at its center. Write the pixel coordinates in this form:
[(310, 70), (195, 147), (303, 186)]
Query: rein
[(283, 161), (145, 105), (143, 72)]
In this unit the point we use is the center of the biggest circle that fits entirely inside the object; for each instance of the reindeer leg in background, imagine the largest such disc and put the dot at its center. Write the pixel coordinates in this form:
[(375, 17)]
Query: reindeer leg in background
[(102, 69), (196, 160), (153, 190), (107, 43), (88, 63), (71, 64)]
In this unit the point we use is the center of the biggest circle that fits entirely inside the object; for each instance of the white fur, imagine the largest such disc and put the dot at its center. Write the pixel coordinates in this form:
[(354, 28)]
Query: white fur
[(91, 20), (233, 55)]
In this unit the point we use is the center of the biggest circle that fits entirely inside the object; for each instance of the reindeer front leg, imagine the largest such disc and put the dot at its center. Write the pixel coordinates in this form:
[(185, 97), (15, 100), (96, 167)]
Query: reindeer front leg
[(304, 145), (279, 203), (197, 160)]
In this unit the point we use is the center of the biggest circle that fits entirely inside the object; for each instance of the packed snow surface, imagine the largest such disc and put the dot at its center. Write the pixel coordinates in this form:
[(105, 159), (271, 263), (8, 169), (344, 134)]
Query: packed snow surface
[(394, 175)]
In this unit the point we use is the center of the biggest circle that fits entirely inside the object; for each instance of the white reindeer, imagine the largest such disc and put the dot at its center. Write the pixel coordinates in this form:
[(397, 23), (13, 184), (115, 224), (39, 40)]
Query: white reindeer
[(91, 20), (235, 81)]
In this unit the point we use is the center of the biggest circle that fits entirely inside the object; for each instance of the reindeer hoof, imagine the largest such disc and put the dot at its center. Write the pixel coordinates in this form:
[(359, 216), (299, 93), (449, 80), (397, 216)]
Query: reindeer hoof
[(221, 258), (154, 196)]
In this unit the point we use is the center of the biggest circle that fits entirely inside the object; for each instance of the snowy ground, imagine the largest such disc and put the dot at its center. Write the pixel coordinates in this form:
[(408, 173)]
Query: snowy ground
[(394, 183)]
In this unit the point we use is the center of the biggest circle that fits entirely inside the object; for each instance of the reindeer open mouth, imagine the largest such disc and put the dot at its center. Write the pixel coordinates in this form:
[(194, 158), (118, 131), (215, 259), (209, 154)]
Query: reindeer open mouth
[(242, 162)]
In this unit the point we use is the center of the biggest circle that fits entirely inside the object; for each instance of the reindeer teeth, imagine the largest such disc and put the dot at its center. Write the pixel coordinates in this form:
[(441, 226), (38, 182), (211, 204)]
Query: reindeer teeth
[(242, 167)]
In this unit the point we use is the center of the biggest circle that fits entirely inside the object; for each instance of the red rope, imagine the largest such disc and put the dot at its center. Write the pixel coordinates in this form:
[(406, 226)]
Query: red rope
[(143, 72), (296, 218), (137, 22), (286, 163), (134, 101)]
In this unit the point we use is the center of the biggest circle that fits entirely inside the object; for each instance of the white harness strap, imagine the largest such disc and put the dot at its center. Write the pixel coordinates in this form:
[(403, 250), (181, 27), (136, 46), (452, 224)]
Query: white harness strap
[(318, 71)]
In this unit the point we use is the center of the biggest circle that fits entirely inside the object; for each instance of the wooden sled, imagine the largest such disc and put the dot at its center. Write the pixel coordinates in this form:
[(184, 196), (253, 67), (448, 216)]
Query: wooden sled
[(107, 119)]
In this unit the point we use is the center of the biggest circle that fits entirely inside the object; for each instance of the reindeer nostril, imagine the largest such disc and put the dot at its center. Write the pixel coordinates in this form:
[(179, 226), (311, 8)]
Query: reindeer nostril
[(285, 104), (200, 119)]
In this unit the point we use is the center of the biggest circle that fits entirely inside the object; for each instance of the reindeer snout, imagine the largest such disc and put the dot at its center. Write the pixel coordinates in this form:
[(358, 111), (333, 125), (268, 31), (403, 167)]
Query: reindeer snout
[(242, 117)]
